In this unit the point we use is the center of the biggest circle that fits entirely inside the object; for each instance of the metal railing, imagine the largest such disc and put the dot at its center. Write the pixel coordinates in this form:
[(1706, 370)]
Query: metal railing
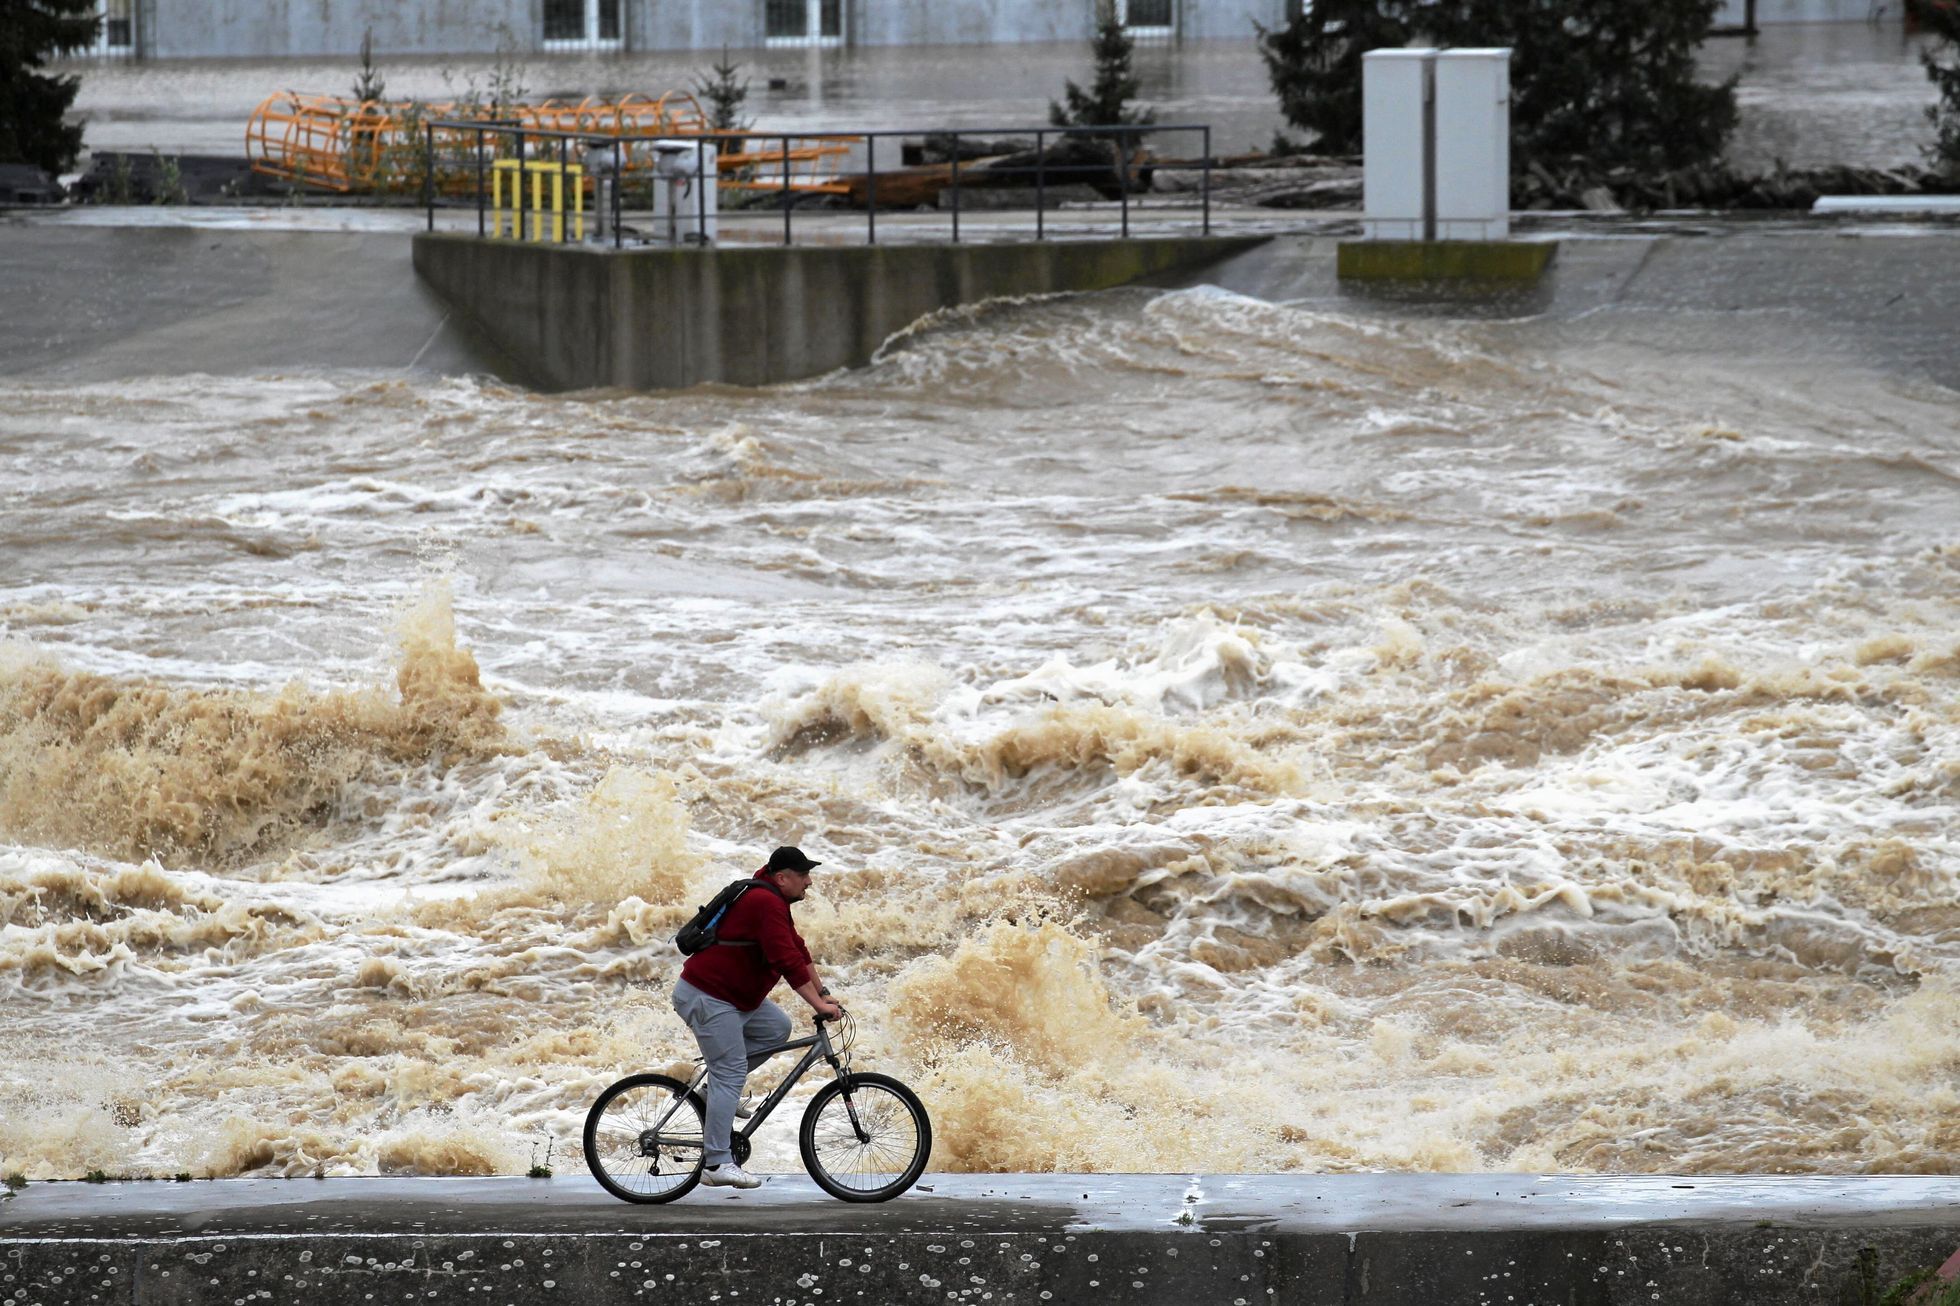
[(776, 172)]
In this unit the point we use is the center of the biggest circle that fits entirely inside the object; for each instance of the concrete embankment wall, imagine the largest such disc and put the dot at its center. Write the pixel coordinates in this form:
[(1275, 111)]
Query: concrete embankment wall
[(1005, 1240), (1688, 1264), (575, 317), (86, 303)]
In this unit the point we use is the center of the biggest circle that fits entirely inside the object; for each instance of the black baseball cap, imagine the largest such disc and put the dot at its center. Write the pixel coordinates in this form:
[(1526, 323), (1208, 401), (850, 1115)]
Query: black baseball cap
[(790, 859)]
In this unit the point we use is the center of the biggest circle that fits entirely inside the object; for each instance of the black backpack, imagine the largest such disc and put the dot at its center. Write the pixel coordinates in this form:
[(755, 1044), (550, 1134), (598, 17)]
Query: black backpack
[(700, 933)]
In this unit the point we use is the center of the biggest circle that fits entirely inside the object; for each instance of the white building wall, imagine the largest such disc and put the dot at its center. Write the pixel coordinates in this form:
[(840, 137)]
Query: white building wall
[(1770, 12), (239, 29)]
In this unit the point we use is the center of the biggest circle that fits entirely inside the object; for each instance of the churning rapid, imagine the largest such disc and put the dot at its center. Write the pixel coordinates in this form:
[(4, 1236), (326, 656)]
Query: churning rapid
[(1238, 737)]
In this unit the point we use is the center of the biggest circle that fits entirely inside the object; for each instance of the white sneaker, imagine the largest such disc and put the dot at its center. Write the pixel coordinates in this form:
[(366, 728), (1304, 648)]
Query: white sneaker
[(745, 1108), (730, 1176)]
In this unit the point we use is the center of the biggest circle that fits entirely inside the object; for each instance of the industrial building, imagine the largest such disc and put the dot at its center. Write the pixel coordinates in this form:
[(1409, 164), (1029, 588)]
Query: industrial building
[(260, 29)]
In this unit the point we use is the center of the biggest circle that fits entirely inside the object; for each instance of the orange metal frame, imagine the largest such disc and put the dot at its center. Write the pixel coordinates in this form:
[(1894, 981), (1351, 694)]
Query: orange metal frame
[(344, 145)]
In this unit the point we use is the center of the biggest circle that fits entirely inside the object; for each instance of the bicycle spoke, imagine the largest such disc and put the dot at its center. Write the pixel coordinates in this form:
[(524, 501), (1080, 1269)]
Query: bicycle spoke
[(642, 1117), (891, 1142)]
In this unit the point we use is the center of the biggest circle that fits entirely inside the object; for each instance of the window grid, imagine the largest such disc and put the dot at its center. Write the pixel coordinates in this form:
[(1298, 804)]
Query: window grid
[(1148, 20), (803, 22), (116, 38), (583, 25)]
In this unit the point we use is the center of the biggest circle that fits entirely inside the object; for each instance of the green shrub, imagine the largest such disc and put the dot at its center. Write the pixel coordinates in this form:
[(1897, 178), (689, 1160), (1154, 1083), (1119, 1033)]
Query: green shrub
[(168, 184), (1906, 1292), (1942, 63), (1596, 85), (16, 1181)]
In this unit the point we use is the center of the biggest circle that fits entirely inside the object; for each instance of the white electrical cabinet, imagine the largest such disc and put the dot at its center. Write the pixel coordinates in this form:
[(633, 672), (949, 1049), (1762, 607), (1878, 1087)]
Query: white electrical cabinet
[(1395, 91), (1473, 145), (1436, 134)]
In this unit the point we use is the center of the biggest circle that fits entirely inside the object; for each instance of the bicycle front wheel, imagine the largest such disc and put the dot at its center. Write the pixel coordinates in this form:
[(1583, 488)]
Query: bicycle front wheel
[(865, 1138), (643, 1139)]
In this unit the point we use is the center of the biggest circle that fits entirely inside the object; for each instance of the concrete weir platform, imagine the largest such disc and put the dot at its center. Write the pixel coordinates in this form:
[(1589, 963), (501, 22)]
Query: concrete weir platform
[(577, 317), (1236, 1240)]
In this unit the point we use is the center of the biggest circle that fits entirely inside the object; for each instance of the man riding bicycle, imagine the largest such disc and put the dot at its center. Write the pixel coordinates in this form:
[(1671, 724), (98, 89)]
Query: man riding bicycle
[(723, 995)]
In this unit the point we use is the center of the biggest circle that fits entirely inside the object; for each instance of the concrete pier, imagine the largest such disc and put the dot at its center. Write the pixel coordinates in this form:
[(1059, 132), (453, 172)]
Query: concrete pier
[(577, 317), (1400, 1240)]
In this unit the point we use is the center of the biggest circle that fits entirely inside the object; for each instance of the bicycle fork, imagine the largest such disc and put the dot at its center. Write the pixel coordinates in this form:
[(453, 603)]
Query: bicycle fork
[(844, 1079)]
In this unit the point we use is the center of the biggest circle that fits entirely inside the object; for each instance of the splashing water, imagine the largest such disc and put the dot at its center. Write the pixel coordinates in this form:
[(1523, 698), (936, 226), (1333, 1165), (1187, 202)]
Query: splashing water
[(1237, 737)]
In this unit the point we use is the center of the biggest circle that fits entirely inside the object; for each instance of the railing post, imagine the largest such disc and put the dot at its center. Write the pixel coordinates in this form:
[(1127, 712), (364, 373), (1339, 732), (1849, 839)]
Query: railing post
[(564, 175), (1121, 145), (786, 199), (701, 183), (871, 187), (618, 181), (1040, 187), (517, 201), (429, 171), (1204, 184), (479, 183), (956, 188)]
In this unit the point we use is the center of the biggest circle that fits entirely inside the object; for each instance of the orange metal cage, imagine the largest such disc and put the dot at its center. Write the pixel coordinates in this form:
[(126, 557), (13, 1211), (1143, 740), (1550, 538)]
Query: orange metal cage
[(349, 146)]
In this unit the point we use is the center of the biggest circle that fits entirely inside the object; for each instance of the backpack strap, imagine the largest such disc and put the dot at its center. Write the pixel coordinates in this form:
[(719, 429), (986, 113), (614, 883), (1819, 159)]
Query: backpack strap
[(746, 943)]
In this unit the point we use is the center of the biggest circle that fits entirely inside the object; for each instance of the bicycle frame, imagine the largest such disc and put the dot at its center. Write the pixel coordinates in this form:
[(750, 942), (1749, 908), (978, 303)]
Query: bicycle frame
[(819, 1049)]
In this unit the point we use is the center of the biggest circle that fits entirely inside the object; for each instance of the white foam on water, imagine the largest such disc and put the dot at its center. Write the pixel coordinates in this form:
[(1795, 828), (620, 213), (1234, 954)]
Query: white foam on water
[(1238, 737)]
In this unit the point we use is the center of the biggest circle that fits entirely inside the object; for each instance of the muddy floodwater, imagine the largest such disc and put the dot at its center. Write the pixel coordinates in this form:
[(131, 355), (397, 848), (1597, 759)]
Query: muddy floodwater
[(1239, 736)]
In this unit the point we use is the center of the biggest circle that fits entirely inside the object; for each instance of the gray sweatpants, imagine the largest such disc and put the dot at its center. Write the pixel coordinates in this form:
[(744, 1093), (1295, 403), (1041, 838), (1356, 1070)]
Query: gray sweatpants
[(730, 1038)]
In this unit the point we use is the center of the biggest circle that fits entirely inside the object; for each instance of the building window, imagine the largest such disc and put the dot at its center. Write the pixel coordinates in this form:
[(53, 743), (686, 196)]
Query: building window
[(803, 22), (117, 36), (581, 24), (1147, 17)]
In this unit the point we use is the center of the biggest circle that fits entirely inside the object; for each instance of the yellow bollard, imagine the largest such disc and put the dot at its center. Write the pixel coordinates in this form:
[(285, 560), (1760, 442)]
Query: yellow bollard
[(498, 171), (537, 170)]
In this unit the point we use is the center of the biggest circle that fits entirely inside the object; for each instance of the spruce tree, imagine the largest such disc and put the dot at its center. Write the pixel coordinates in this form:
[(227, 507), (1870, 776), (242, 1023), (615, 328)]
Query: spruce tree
[(725, 92), (1601, 84), (1943, 69), (1107, 101), (370, 85), (1314, 65), (32, 103)]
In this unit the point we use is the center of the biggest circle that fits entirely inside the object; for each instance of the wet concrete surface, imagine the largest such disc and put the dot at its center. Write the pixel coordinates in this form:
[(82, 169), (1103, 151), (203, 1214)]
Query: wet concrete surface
[(993, 1238), (1125, 1202), (108, 303), (111, 302), (1877, 294)]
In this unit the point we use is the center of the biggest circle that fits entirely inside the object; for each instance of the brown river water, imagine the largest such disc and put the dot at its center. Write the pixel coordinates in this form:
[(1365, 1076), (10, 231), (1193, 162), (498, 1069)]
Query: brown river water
[(1239, 737)]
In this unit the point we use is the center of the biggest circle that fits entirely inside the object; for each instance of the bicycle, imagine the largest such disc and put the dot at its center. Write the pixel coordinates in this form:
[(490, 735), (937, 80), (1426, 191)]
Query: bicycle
[(865, 1137)]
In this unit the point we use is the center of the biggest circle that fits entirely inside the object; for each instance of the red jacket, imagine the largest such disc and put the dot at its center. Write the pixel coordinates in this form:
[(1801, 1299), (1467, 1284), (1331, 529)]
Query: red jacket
[(741, 974)]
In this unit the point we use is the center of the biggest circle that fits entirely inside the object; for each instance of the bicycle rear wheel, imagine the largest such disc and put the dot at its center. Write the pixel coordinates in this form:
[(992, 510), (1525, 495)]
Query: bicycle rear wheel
[(643, 1139), (865, 1138)]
